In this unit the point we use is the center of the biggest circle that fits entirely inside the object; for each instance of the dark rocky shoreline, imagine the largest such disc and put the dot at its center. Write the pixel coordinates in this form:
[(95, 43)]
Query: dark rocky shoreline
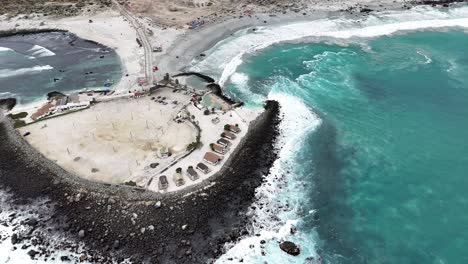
[(119, 222), (13, 32)]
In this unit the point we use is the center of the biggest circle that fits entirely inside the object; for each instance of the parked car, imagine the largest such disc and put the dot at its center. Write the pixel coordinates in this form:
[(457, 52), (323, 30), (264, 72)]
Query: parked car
[(203, 168), (192, 173), (163, 183)]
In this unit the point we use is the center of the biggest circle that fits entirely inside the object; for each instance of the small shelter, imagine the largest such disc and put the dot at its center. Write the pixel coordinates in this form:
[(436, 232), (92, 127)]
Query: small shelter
[(212, 158), (203, 168)]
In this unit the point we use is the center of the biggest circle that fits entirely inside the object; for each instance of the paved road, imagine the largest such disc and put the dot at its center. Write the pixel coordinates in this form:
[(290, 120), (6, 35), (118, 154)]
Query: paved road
[(140, 30)]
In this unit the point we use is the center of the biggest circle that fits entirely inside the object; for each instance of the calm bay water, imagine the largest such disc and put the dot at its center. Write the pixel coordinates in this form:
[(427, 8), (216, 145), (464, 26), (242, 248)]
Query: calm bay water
[(34, 64), (383, 176)]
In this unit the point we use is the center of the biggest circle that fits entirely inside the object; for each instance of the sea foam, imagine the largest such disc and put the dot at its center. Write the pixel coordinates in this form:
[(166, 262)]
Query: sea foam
[(276, 211), (225, 57), (39, 51), (277, 208), (23, 71), (3, 49)]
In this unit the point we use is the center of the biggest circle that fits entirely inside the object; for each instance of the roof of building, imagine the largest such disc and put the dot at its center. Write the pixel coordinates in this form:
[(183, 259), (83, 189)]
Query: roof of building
[(192, 171), (234, 128), (218, 147), (42, 111), (211, 157), (74, 98), (62, 101), (224, 141), (229, 134), (202, 166), (163, 179)]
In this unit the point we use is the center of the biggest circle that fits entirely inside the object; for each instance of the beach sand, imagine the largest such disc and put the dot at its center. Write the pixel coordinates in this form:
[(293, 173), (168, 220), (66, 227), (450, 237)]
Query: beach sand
[(114, 141), (117, 141)]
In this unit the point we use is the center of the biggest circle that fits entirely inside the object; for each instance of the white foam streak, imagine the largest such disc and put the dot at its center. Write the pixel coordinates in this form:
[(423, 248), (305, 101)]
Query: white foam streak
[(23, 71), (278, 200), (224, 58), (13, 225), (230, 68), (428, 60), (5, 49), (39, 51), (276, 210)]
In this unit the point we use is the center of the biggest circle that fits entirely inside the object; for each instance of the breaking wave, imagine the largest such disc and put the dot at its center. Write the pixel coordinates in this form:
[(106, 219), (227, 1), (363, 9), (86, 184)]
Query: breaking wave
[(39, 52), (277, 210), (277, 206), (2, 49), (226, 56), (23, 71)]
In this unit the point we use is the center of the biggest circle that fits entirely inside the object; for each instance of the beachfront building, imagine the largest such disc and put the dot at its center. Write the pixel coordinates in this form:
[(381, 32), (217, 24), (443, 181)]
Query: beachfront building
[(192, 173), (43, 111), (203, 168), (70, 106), (228, 135), (164, 152), (218, 149), (163, 184), (212, 158), (179, 178), (232, 128), (224, 142)]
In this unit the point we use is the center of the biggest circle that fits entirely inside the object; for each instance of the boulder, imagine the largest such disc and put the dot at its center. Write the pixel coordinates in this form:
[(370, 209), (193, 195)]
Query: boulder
[(14, 238), (7, 103), (32, 253), (290, 248), (116, 244), (32, 222)]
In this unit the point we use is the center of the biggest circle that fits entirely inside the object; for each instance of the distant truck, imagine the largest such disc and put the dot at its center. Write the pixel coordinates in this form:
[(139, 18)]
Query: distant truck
[(157, 49), (139, 42)]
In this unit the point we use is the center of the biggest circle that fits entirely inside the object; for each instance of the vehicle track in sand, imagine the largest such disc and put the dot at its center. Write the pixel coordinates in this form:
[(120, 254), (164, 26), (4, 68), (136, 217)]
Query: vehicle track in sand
[(140, 30)]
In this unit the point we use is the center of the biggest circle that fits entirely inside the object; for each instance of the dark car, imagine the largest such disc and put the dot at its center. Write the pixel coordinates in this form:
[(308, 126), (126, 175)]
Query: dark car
[(163, 183), (202, 167)]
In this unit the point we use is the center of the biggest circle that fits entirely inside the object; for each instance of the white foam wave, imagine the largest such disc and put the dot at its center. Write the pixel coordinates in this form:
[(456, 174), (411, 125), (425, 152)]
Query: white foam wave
[(39, 51), (240, 80), (23, 71), (14, 224), (7, 94), (226, 56), (4, 49), (428, 60), (277, 207)]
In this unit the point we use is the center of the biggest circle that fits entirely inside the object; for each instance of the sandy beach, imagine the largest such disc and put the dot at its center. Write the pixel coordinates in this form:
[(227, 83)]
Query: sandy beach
[(117, 141)]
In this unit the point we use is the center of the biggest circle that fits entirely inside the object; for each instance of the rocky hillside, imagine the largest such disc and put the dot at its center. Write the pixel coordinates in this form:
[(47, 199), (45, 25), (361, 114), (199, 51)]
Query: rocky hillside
[(50, 7)]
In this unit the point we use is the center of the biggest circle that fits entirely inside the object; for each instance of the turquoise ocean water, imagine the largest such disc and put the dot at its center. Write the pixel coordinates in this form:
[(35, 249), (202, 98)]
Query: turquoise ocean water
[(374, 159), (387, 168)]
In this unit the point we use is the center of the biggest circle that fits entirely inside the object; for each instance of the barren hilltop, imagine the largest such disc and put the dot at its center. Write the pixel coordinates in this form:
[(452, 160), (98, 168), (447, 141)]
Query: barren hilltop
[(163, 12)]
